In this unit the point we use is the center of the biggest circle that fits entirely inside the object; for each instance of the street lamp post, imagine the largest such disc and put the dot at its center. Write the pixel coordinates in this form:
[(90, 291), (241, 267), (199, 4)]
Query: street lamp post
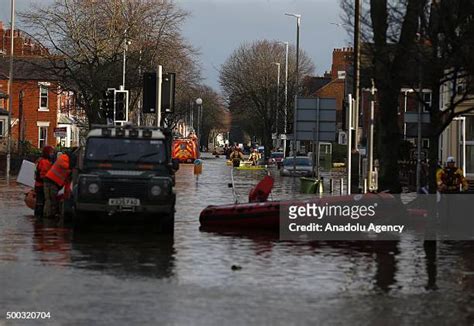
[(286, 96), (125, 49), (199, 119), (298, 23), (10, 86), (277, 113)]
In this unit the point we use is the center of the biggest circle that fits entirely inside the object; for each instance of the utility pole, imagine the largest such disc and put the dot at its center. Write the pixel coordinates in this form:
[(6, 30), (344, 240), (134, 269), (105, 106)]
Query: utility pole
[(277, 102), (349, 142), (298, 23), (159, 78), (199, 120), (371, 137), (420, 108), (125, 45), (21, 129), (356, 86), (10, 86), (286, 98), (356, 94)]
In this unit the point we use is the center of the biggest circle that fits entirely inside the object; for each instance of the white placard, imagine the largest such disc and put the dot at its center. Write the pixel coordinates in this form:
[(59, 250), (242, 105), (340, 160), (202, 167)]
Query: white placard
[(27, 174)]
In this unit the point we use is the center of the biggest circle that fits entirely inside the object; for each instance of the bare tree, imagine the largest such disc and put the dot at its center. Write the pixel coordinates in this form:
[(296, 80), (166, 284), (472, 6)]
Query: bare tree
[(215, 115), (86, 39), (249, 81)]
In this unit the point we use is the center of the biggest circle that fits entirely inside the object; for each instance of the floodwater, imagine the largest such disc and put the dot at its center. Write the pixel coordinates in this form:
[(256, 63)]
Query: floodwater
[(138, 278)]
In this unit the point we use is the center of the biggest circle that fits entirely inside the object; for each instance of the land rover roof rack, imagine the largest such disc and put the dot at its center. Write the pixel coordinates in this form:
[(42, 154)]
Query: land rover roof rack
[(101, 126)]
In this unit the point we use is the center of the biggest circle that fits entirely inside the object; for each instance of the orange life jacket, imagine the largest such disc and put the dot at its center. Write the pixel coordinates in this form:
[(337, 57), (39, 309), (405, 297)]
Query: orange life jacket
[(60, 171), (42, 167), (453, 179)]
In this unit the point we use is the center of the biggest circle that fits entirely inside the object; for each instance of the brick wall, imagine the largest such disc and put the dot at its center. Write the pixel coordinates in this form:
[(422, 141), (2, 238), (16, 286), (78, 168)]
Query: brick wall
[(341, 61), (31, 113), (335, 89)]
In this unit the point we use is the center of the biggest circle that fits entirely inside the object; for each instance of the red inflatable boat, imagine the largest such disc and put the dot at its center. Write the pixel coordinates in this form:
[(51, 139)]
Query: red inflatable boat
[(266, 215), (262, 214)]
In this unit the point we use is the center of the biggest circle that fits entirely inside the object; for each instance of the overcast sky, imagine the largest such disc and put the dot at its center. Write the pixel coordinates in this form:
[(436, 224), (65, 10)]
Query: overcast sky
[(217, 27)]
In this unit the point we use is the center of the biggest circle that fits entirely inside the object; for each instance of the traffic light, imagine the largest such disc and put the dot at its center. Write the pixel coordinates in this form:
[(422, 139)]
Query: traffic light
[(150, 87), (121, 106), (149, 92), (167, 92), (108, 103)]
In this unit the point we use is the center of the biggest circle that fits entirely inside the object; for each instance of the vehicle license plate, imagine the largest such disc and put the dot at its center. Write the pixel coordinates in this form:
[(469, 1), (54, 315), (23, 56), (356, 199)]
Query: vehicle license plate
[(124, 202)]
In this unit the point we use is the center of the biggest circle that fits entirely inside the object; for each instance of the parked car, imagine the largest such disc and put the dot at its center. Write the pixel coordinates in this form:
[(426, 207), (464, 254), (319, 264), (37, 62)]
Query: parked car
[(276, 158), (304, 167)]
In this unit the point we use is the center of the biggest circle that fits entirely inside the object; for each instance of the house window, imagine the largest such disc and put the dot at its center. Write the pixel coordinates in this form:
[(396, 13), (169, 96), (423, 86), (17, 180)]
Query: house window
[(42, 136), (470, 144), (2, 130), (425, 143), (427, 100), (43, 98), (470, 128)]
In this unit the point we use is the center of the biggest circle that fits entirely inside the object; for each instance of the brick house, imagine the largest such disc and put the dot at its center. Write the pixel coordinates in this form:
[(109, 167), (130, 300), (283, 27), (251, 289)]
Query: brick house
[(334, 83), (38, 102), (34, 103)]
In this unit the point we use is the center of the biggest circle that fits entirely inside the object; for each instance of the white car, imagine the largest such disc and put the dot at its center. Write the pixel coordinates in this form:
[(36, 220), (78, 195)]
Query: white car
[(304, 167)]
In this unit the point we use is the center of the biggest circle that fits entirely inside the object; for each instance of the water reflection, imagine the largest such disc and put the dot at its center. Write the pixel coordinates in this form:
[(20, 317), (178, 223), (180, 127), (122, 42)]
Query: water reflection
[(51, 244), (136, 254), (377, 259), (431, 264), (174, 281)]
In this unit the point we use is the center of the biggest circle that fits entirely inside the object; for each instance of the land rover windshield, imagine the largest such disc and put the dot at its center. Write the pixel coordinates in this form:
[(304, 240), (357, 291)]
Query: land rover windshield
[(125, 150)]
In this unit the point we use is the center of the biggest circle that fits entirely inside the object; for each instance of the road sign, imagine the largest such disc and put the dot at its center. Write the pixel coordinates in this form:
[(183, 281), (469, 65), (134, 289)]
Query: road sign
[(316, 119), (197, 167), (60, 132), (412, 117)]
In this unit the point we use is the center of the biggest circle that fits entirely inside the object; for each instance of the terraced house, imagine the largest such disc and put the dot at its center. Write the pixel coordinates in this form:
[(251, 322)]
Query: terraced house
[(39, 104)]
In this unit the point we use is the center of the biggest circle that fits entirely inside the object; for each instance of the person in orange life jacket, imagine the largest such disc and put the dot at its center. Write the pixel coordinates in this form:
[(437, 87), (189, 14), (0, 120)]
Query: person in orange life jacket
[(43, 165), (451, 178), (57, 177)]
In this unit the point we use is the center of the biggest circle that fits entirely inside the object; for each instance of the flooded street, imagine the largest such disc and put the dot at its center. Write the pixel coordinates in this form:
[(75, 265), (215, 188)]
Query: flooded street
[(126, 278)]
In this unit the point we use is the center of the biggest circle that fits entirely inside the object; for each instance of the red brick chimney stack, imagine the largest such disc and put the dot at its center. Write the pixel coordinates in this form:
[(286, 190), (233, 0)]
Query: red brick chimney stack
[(341, 60)]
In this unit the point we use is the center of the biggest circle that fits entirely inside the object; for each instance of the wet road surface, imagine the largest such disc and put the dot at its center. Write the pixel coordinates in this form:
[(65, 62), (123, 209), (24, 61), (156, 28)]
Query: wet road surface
[(134, 277)]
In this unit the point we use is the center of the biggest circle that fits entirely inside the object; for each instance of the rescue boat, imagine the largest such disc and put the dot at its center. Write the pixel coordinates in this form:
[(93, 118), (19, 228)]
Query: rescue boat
[(262, 214), (266, 215), (251, 167)]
